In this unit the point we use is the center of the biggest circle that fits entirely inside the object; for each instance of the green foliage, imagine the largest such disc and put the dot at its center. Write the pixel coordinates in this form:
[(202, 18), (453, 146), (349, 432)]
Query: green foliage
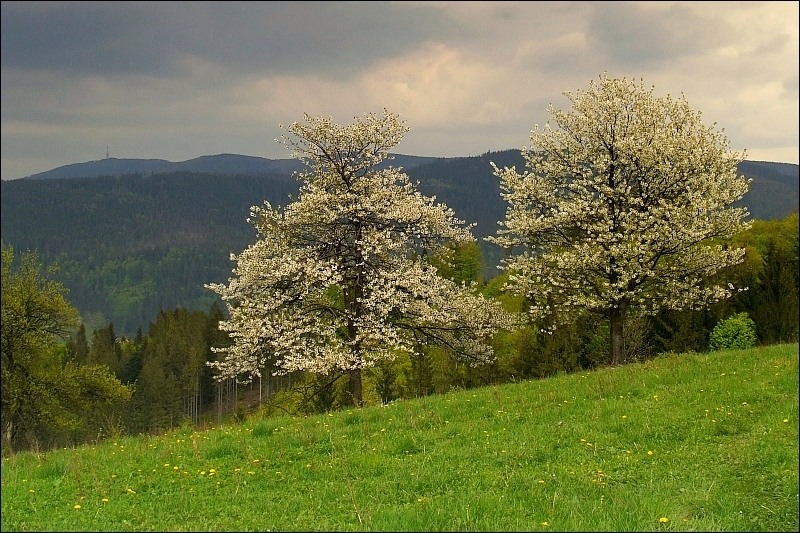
[(47, 399), (460, 262), (95, 398), (174, 382), (735, 332), (383, 375), (772, 273), (78, 347), (105, 350)]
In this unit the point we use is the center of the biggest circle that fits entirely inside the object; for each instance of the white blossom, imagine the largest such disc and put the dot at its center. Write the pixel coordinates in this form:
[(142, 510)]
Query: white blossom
[(622, 207), (336, 280)]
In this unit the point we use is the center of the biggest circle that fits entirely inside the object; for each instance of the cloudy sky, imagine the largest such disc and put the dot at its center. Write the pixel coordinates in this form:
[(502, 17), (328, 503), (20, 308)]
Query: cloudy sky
[(180, 80)]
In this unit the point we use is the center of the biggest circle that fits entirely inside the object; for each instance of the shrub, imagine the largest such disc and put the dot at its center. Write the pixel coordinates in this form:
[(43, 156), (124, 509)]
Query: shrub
[(735, 332)]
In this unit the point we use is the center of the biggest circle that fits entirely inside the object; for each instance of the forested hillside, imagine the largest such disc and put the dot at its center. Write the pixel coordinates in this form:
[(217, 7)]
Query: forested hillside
[(128, 246)]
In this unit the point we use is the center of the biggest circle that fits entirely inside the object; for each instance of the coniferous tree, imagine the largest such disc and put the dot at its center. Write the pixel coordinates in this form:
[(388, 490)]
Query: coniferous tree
[(105, 350), (78, 347)]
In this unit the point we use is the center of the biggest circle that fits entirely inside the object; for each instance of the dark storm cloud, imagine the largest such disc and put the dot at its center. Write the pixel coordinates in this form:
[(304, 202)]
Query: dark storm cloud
[(637, 35), (108, 38)]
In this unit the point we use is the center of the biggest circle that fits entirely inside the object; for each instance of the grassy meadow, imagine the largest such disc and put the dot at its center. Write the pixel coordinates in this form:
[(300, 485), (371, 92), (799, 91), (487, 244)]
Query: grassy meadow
[(688, 442)]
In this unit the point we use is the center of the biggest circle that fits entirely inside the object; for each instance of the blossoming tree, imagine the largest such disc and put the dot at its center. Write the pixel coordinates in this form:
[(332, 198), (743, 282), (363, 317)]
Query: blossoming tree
[(621, 208), (338, 280)]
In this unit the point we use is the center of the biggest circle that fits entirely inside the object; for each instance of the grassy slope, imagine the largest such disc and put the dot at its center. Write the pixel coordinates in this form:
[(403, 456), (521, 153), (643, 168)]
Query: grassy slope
[(699, 442)]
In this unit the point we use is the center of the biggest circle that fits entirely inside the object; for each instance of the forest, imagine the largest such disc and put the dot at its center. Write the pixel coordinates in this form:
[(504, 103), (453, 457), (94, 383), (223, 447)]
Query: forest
[(363, 290)]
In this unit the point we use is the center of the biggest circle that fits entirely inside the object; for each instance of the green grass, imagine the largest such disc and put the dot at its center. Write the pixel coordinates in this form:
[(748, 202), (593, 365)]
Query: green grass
[(708, 442)]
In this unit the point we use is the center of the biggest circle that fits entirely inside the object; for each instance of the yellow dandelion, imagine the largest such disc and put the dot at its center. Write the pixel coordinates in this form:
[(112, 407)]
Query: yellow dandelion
[(104, 500), (649, 452), (545, 524), (663, 520), (131, 491), (77, 506)]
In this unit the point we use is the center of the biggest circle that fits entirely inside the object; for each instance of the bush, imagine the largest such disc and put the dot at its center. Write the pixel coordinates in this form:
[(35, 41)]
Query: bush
[(735, 332)]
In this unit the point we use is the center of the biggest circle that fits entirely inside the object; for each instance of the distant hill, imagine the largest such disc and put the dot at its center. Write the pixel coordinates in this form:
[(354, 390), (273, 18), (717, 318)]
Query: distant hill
[(129, 242), (223, 164)]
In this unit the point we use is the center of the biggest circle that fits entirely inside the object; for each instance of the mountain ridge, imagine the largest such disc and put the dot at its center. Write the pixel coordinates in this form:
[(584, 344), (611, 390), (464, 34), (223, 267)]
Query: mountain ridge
[(240, 164), (225, 164)]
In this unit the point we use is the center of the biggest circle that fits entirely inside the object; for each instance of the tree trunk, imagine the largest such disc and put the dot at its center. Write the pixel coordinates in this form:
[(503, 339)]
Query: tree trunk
[(219, 402), (8, 436), (354, 387), (617, 334)]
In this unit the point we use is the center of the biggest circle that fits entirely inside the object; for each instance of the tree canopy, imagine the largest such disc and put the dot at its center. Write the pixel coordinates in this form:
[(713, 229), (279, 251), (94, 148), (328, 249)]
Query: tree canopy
[(43, 394), (623, 208), (339, 279)]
